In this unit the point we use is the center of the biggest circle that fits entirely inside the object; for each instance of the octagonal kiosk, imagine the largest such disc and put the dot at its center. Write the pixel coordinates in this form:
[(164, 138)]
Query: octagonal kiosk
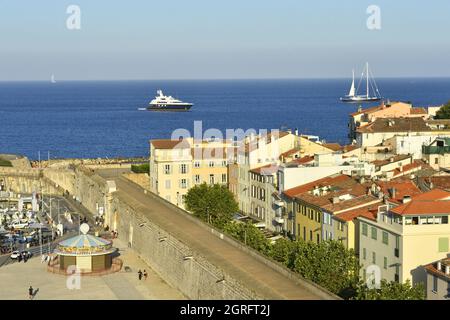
[(90, 254)]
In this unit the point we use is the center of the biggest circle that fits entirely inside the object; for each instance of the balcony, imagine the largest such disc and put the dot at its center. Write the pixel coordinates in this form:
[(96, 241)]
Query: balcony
[(435, 149), (279, 220)]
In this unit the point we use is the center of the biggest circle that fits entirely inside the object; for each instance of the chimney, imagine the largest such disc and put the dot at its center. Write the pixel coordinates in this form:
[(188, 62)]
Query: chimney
[(439, 266), (406, 199), (391, 159), (393, 193), (447, 270), (335, 200), (296, 131)]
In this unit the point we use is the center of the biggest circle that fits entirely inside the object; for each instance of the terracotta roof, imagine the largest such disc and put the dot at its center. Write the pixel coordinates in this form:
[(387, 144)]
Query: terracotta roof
[(403, 187), (395, 125), (266, 170), (394, 159), (442, 182), (303, 160), (369, 212), (408, 168), (169, 144), (368, 110), (349, 147), (332, 146), (418, 110), (432, 268), (289, 152), (326, 202), (435, 194), (432, 202), (330, 180)]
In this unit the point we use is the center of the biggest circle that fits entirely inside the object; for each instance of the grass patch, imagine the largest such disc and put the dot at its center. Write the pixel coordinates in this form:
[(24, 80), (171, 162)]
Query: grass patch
[(5, 163), (140, 168)]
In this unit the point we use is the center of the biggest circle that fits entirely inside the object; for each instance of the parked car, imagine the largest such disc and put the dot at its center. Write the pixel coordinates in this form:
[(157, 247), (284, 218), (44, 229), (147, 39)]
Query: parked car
[(15, 254)]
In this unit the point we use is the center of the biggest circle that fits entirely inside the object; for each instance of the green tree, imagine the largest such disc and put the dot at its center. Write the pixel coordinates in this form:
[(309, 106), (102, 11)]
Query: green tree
[(249, 235), (328, 264), (391, 291), (284, 251), (443, 112), (214, 204)]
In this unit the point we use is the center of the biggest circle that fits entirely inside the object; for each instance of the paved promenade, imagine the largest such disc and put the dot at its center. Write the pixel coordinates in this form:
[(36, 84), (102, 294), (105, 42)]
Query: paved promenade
[(16, 278), (238, 264)]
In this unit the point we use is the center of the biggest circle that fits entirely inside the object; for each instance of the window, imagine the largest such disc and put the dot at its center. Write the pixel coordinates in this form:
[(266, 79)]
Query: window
[(318, 238), (364, 253), (310, 235), (436, 160), (385, 263), (224, 163), (183, 183), (197, 164), (298, 229), (167, 169), (211, 164), (374, 257), (373, 232), (224, 177), (385, 238), (443, 244), (435, 284), (211, 179), (167, 184), (304, 233), (183, 168), (197, 178), (364, 229), (444, 220)]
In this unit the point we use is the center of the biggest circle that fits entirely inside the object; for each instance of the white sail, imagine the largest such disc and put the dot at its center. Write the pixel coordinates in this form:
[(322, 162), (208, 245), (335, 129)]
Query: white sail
[(52, 80), (351, 93)]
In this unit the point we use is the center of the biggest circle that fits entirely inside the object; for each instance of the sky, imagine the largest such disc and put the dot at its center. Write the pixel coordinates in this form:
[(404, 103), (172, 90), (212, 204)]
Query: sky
[(228, 39)]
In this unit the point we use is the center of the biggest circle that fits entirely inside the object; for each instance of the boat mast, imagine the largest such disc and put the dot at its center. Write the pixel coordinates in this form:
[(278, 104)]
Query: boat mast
[(367, 80)]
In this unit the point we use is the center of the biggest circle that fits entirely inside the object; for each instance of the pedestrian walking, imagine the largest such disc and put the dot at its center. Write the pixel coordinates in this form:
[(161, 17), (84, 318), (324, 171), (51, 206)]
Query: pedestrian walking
[(145, 274), (140, 274), (30, 292)]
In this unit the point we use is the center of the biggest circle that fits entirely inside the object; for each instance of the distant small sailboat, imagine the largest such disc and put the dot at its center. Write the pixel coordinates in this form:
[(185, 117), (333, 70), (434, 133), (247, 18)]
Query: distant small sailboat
[(370, 83), (52, 80)]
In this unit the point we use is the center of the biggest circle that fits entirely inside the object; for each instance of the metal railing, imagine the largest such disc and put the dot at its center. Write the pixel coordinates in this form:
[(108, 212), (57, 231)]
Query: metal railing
[(435, 149)]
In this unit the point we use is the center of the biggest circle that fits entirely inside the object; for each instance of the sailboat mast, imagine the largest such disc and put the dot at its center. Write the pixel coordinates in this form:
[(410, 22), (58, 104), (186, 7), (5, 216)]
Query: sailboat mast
[(367, 79)]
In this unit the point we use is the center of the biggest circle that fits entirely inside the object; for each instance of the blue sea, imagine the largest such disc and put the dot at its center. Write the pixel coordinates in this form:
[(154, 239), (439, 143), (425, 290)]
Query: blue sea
[(93, 119)]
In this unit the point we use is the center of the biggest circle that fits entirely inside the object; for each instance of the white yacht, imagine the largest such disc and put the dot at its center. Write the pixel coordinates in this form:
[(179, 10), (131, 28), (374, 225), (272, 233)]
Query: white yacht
[(370, 84), (167, 103)]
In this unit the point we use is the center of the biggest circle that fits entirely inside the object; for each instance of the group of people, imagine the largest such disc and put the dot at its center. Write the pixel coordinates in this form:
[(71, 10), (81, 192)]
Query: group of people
[(140, 274), (23, 256)]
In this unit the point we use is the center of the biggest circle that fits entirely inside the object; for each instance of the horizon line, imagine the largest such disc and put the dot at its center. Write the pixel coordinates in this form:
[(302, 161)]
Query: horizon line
[(225, 79)]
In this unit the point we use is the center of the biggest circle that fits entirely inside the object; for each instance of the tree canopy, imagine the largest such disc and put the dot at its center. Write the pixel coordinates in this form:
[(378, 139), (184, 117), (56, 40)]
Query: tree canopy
[(443, 112), (211, 203), (391, 291)]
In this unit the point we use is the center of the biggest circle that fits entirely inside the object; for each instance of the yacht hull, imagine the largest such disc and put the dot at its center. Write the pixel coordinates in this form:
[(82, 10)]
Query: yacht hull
[(176, 108), (360, 99)]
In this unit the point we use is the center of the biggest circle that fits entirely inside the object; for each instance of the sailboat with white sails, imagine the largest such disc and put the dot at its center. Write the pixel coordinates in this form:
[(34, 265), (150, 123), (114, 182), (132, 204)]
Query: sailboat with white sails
[(353, 97)]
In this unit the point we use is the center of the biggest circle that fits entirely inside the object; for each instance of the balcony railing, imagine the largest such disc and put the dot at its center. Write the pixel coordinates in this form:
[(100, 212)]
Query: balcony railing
[(435, 150)]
